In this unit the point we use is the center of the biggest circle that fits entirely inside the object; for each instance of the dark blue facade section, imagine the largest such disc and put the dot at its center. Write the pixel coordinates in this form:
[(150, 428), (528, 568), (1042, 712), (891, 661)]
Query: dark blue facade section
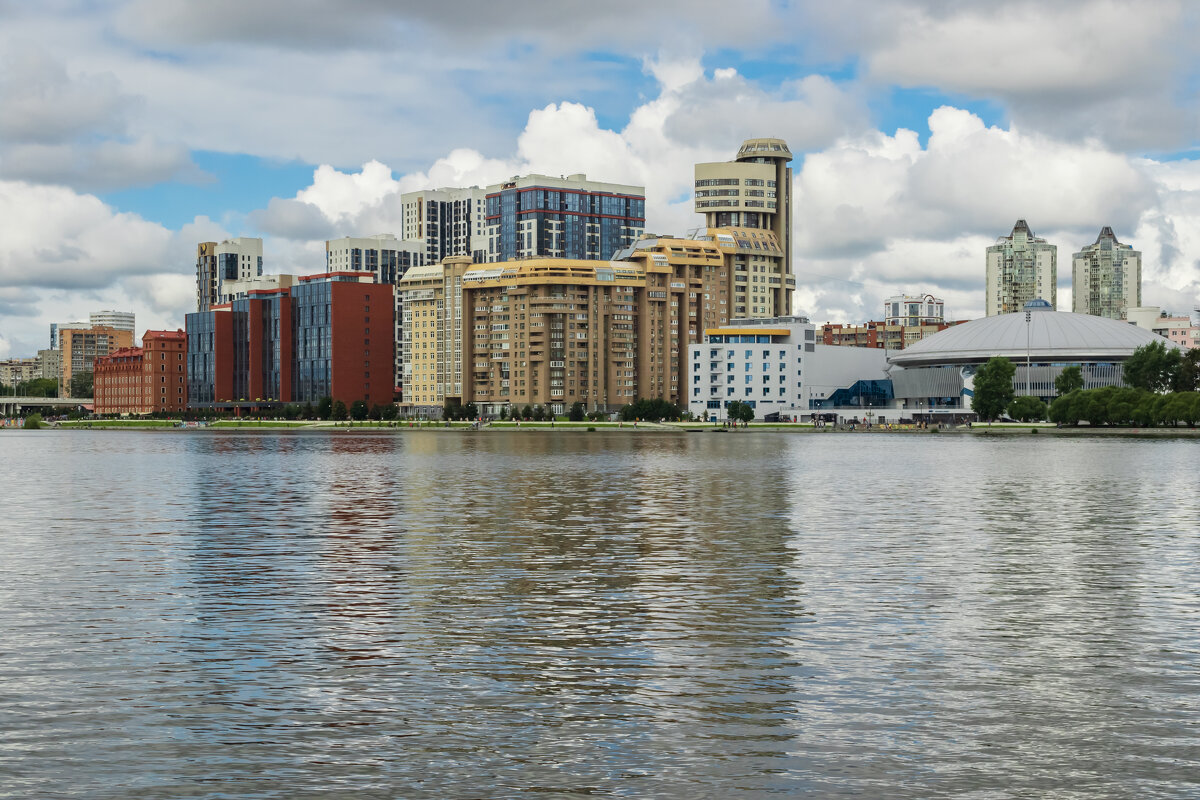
[(569, 224)]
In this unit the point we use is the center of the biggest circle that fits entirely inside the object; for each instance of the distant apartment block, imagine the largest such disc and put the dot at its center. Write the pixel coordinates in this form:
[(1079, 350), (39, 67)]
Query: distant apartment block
[(912, 311), (1020, 267), (1106, 278), (754, 192), (18, 370), (1179, 329), (51, 363), (879, 334), (143, 380), (329, 335), (80, 347), (217, 263)]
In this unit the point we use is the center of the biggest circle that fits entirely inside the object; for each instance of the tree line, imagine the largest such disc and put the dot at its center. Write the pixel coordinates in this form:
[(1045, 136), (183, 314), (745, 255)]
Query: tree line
[(1161, 389)]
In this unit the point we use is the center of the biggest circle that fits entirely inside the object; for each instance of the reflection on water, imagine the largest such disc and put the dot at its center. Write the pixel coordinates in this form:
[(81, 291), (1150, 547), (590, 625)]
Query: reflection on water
[(501, 614)]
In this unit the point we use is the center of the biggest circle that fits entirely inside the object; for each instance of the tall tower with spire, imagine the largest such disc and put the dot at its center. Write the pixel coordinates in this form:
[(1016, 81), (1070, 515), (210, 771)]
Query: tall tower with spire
[(1020, 267), (1106, 277)]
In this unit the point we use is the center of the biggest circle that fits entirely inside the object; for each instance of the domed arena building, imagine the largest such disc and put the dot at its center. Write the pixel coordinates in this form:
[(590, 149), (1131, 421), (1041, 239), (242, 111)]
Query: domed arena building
[(934, 378)]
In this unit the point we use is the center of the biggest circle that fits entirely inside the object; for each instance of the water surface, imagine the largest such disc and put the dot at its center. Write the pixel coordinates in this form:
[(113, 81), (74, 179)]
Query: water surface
[(453, 614)]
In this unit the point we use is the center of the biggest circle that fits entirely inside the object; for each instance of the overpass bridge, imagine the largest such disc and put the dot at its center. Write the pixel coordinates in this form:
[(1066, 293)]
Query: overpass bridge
[(11, 406)]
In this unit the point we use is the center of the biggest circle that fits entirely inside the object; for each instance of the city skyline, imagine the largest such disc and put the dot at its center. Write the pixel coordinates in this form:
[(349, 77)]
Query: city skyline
[(920, 133)]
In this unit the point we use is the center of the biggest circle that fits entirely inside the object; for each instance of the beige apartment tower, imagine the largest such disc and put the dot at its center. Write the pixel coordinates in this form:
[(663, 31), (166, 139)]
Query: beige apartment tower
[(1106, 278), (430, 371), (754, 192), (553, 331)]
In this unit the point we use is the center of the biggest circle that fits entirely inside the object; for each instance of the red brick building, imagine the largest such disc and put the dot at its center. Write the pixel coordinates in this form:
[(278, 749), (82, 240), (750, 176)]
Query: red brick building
[(143, 380)]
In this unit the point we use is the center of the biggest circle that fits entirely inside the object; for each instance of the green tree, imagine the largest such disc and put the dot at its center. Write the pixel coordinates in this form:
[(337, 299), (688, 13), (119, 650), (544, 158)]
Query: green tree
[(389, 412), (1153, 367), (37, 387), (539, 413), (527, 412), (993, 388), (81, 384), (470, 411), (1065, 410), (1069, 380), (358, 410), (33, 422), (1187, 379), (576, 412), (653, 410), (740, 412), (325, 408), (1027, 409), (338, 411), (308, 411)]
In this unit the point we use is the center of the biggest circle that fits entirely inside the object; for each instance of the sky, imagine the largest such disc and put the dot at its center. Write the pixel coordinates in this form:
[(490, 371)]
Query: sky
[(922, 130)]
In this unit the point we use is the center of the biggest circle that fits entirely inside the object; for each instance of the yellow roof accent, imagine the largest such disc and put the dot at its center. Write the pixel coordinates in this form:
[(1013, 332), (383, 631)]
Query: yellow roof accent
[(746, 331), (564, 270)]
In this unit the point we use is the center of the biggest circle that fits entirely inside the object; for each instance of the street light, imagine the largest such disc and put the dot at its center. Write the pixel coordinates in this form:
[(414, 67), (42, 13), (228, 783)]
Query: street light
[(1028, 317)]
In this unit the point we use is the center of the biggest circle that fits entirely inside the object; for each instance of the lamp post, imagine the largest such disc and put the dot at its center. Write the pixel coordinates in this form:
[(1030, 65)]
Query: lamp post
[(1028, 317)]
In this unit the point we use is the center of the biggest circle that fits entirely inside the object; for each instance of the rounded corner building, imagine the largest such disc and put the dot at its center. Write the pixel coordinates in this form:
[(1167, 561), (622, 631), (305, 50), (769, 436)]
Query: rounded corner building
[(935, 376)]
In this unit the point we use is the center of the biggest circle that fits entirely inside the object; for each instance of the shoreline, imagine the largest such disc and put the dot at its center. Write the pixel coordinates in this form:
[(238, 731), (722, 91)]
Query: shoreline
[(259, 426)]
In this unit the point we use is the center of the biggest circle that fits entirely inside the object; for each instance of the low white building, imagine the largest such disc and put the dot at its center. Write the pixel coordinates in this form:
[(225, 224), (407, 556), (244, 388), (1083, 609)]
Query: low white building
[(777, 367)]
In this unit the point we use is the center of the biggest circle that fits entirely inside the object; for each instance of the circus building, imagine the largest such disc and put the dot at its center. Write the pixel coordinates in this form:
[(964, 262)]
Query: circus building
[(935, 376)]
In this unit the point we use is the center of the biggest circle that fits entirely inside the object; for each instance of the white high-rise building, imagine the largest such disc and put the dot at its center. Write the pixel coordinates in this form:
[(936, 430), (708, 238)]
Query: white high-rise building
[(911, 311), (121, 320), (448, 221), (1020, 267), (232, 260), (1106, 278)]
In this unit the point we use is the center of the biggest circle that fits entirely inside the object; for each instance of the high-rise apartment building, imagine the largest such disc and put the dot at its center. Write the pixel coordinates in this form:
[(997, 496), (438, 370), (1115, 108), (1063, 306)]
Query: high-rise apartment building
[(554, 332), (911, 311), (445, 222), (525, 217), (231, 260), (431, 347), (1106, 278), (330, 335), (80, 347), (538, 216), (754, 192), (1020, 267)]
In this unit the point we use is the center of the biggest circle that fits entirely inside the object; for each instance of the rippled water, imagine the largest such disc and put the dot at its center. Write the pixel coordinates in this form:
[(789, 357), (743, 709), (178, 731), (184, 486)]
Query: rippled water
[(510, 614)]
